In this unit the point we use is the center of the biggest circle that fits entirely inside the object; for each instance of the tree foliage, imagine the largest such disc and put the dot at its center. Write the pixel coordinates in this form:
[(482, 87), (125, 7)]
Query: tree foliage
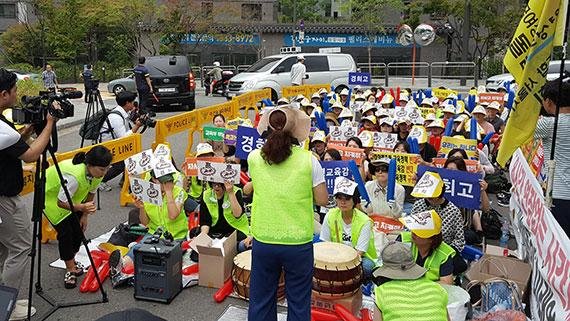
[(492, 23)]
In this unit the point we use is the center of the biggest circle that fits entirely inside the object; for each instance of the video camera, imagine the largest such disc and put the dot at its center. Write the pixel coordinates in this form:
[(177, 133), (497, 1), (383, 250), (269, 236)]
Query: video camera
[(146, 118), (35, 108)]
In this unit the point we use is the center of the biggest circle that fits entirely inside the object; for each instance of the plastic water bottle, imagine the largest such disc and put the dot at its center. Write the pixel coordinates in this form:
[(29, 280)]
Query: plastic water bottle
[(504, 240)]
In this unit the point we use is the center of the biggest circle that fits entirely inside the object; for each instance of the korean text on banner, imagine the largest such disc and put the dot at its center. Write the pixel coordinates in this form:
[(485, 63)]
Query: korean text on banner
[(230, 137), (461, 188), (441, 94), (214, 133), (542, 242), (527, 60), (248, 139), (406, 168), (334, 169), (449, 143), (491, 97), (348, 153)]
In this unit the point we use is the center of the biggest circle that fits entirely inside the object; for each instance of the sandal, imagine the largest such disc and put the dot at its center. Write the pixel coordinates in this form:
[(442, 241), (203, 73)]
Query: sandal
[(79, 269), (70, 280)]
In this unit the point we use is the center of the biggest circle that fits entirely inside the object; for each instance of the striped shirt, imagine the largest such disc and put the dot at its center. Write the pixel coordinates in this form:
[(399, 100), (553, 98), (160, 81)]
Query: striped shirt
[(545, 130)]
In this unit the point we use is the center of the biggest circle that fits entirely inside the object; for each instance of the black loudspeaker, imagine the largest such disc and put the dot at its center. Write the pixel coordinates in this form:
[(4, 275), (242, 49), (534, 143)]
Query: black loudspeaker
[(158, 271)]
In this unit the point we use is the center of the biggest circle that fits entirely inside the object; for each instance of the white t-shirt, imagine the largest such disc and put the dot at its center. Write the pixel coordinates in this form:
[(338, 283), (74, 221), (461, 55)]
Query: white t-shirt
[(8, 136), (298, 71), (363, 239), (72, 186), (318, 172)]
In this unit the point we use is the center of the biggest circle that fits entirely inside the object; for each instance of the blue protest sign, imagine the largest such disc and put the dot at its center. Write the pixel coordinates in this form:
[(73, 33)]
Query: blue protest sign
[(462, 188), (359, 78), (248, 139), (334, 169)]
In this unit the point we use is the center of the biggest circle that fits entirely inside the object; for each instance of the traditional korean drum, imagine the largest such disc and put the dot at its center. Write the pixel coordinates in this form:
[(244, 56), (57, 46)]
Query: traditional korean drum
[(241, 274), (338, 270)]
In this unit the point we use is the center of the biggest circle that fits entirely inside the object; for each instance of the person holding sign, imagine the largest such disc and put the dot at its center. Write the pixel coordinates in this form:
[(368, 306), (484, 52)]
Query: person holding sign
[(82, 175), (221, 213), (429, 190), (195, 186), (287, 182), (427, 245), (220, 149), (348, 225), (378, 191), (369, 123)]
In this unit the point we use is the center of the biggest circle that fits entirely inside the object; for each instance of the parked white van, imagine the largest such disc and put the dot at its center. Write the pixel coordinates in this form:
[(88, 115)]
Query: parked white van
[(274, 72)]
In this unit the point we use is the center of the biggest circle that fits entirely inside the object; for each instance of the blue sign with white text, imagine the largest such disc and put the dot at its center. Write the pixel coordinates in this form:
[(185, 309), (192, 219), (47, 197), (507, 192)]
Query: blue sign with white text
[(248, 139), (334, 169), (462, 188), (341, 40), (359, 78)]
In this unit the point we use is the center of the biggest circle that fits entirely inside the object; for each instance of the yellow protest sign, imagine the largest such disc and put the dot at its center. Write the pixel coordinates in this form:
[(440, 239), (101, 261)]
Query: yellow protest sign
[(425, 111), (305, 90), (29, 179), (406, 165), (527, 60), (449, 143), (441, 94)]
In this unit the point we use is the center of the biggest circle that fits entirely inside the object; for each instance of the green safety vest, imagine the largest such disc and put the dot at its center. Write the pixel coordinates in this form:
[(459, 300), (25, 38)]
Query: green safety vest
[(438, 256), (282, 208), (158, 216), (196, 188), (211, 201), (52, 211), (406, 300), (358, 221)]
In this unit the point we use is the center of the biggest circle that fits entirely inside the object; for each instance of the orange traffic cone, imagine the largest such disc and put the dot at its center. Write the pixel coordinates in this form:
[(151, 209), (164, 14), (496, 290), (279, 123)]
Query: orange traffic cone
[(48, 232)]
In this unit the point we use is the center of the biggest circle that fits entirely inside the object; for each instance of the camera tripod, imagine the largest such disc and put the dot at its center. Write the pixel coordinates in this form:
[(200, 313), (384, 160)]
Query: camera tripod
[(38, 207), (94, 105)]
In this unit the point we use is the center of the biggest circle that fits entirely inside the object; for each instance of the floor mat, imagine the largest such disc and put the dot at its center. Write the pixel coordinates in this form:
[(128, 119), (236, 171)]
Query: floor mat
[(238, 313)]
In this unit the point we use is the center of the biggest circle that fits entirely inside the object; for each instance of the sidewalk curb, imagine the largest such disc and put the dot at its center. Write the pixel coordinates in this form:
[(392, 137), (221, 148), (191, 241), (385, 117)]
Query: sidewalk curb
[(70, 124)]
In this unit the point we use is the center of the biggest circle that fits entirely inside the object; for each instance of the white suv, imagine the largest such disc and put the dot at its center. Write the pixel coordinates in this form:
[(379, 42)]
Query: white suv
[(274, 72), (494, 82)]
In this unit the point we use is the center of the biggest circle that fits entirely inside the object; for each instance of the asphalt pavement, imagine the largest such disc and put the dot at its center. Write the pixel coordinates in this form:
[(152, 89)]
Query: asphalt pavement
[(195, 303)]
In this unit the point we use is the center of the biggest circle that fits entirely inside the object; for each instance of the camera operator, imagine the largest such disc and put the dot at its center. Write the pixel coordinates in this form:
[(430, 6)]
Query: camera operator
[(118, 119), (15, 220)]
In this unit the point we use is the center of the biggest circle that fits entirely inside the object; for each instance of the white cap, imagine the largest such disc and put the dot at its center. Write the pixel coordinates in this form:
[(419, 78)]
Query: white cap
[(411, 104), (300, 57), (216, 63), (346, 113), (319, 136), (404, 97), (495, 105), (430, 117), (427, 101), (479, 110), (449, 108), (204, 148), (387, 121), (344, 92), (343, 185)]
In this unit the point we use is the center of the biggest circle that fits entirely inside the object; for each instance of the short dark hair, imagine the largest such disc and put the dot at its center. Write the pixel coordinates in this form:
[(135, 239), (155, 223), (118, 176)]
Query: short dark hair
[(355, 197), (96, 156), (219, 115), (8, 79), (356, 140), (125, 97), (142, 60), (403, 143), (458, 150), (550, 91), (334, 154)]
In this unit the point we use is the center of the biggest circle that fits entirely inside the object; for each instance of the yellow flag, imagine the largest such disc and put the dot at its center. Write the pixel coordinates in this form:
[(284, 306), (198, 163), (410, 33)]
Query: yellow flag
[(527, 60), (559, 35)]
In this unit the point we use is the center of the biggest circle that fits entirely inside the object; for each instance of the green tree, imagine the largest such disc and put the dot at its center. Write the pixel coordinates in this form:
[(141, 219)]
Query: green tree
[(492, 23), (372, 15), (18, 45), (311, 11)]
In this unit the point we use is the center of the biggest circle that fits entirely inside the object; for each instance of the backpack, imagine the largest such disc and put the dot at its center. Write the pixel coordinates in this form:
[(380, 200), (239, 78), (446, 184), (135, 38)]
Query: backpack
[(497, 182), (495, 292), (492, 224), (91, 129)]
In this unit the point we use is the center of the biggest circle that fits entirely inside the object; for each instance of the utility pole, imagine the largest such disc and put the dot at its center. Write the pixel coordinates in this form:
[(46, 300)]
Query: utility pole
[(466, 33)]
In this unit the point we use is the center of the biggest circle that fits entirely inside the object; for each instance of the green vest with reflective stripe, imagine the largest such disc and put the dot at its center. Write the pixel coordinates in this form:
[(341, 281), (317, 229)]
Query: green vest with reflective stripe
[(195, 188), (358, 220), (407, 300), (438, 256), (211, 201), (54, 213), (282, 208), (158, 216)]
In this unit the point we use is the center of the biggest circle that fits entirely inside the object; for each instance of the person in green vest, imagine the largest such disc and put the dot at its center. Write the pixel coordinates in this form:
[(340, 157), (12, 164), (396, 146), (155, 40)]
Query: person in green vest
[(82, 175), (428, 249), (195, 186), (287, 181), (348, 225), (222, 213), (402, 293)]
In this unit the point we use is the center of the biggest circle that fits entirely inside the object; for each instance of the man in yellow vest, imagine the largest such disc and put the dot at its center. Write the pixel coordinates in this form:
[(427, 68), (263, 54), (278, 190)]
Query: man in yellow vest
[(346, 224), (401, 293)]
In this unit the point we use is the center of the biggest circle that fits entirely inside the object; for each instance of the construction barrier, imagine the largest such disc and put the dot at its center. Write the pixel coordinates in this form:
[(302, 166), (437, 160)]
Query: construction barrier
[(305, 90)]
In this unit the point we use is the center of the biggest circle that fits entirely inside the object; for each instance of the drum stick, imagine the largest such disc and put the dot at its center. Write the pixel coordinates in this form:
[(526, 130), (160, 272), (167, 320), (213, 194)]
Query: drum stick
[(224, 291), (337, 232)]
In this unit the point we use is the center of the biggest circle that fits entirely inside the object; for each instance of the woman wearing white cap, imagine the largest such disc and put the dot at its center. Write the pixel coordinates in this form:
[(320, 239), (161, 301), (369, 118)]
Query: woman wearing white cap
[(298, 71), (493, 118), (344, 97), (378, 188), (346, 224), (479, 113)]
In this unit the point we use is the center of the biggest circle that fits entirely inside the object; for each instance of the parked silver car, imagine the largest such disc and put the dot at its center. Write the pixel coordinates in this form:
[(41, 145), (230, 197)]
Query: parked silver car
[(122, 84), (494, 82)]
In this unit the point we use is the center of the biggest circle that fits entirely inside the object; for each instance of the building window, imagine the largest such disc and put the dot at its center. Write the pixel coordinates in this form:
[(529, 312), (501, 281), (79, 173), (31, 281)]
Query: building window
[(7, 10), (251, 11)]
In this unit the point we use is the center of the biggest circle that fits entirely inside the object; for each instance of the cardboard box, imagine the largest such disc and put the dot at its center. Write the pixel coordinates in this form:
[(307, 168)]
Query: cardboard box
[(490, 266), (352, 303), (215, 262), (498, 251)]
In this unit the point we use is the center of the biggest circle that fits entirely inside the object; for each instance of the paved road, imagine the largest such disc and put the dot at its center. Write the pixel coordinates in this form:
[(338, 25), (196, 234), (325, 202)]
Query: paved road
[(192, 304)]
